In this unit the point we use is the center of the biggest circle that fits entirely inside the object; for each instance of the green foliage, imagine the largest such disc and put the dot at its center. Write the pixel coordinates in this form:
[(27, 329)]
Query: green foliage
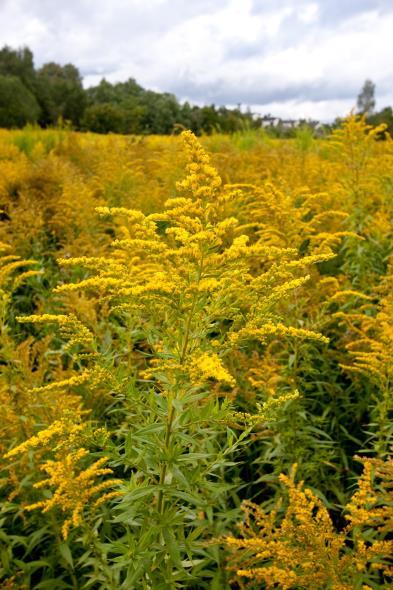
[(60, 93), (18, 63), (18, 105), (28, 138), (304, 138), (104, 118), (124, 107)]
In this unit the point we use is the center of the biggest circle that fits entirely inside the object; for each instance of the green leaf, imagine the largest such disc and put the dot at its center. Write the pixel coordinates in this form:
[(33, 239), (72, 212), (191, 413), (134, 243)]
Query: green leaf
[(66, 554)]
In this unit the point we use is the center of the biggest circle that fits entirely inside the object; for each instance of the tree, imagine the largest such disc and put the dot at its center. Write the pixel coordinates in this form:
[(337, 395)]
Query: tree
[(18, 63), (61, 93), (162, 112), (366, 98), (18, 105), (104, 118)]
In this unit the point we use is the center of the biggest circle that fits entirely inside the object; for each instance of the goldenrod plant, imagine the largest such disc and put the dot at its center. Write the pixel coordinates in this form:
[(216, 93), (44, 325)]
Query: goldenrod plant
[(298, 546)]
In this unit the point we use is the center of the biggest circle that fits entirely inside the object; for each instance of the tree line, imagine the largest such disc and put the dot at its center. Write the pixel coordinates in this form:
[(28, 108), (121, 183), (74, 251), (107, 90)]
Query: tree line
[(54, 92)]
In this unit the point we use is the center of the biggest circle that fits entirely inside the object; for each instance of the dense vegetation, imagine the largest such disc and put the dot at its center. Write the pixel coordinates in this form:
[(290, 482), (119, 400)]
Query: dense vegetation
[(190, 343), (54, 92)]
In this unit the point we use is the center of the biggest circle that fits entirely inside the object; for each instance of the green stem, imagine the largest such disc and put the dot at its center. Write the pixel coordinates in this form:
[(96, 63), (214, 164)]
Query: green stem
[(171, 408), (187, 333), (171, 415)]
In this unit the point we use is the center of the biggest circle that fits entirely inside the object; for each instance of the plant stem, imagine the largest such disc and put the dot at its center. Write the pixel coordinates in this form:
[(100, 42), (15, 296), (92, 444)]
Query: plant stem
[(171, 408), (171, 415)]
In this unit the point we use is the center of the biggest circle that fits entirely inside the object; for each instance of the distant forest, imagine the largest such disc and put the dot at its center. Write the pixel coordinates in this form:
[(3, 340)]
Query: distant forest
[(54, 93)]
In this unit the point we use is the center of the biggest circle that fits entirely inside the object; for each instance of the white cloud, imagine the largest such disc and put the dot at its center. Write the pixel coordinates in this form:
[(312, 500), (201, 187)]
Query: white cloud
[(319, 110), (290, 57), (309, 13)]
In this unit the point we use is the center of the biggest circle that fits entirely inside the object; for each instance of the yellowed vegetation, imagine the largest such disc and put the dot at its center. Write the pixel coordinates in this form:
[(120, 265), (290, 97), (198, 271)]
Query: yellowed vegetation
[(156, 322)]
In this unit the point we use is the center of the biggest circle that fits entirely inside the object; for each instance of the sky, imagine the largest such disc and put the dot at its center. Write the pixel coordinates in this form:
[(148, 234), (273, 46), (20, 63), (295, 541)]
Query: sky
[(289, 58)]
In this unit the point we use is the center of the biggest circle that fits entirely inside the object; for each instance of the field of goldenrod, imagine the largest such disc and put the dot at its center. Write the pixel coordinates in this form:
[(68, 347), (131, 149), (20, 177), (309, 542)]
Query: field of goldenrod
[(196, 361)]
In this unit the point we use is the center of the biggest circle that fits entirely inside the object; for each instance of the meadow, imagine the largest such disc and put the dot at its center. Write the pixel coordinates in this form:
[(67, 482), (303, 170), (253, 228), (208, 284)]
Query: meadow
[(196, 366)]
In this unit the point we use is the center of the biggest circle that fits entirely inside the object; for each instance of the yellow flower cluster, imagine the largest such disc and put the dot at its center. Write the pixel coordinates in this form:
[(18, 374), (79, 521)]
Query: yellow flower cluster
[(303, 549), (209, 366), (372, 504), (184, 276), (202, 181), (268, 410), (70, 327), (371, 349), (63, 430), (267, 330), (74, 487)]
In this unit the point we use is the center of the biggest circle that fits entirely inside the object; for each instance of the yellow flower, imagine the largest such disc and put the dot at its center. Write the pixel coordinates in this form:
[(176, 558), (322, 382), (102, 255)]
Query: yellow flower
[(208, 365)]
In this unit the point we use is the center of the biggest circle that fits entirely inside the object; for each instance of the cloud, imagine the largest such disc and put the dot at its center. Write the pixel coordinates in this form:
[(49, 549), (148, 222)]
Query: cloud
[(280, 56)]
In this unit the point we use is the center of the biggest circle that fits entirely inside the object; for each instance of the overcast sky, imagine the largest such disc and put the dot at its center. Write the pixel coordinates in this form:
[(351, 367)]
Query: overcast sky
[(291, 58)]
